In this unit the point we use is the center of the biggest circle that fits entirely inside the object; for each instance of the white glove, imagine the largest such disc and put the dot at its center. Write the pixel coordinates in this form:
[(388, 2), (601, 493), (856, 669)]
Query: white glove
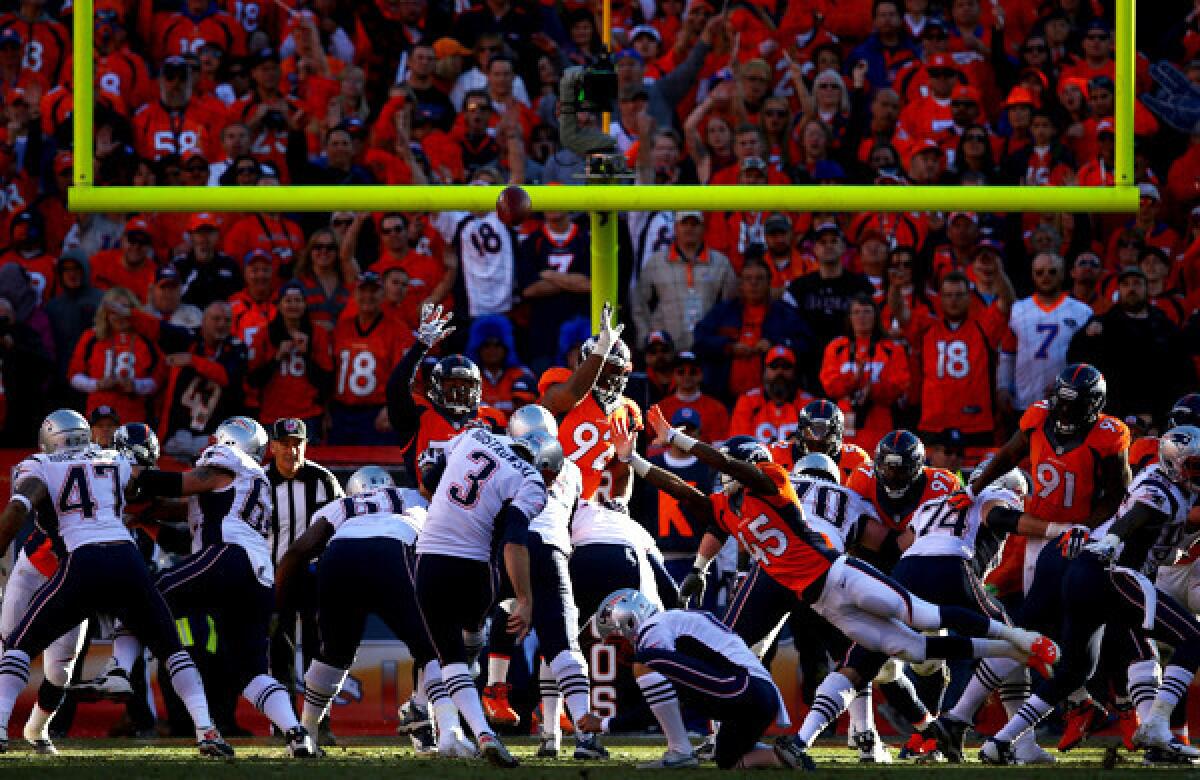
[(1105, 548), (608, 335), (435, 325)]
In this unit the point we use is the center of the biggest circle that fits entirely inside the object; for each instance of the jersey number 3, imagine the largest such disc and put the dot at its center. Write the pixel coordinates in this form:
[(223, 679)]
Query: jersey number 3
[(467, 495)]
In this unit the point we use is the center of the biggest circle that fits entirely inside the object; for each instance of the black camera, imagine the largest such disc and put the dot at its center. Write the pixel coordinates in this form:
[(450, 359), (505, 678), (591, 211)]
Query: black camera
[(599, 91)]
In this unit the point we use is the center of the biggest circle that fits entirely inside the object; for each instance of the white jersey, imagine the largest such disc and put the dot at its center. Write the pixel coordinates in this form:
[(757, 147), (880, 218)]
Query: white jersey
[(86, 493), (832, 510), (943, 530), (238, 514), (488, 265), (1165, 545), (1043, 336), (596, 524), (664, 630), (387, 512), (483, 476), (553, 524)]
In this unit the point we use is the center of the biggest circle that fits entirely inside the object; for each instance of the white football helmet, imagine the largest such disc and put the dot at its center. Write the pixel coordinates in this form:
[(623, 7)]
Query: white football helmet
[(242, 433), (369, 478), (64, 429), (541, 449), (623, 613), (1179, 456), (531, 417), (819, 465)]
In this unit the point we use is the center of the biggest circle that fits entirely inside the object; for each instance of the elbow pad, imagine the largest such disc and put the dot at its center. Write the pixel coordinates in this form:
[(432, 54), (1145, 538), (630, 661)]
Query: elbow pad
[(1004, 518)]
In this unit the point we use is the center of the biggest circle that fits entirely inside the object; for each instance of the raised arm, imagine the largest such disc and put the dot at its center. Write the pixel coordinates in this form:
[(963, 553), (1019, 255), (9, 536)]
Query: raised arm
[(402, 410), (746, 473), (565, 396)]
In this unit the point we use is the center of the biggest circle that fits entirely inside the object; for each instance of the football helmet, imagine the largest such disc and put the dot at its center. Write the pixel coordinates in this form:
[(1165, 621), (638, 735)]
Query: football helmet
[(138, 441), (1077, 399), (369, 478), (614, 374), (819, 465), (64, 429), (623, 613), (1014, 480), (1179, 456), (541, 449), (242, 433), (899, 462), (532, 417), (455, 385), (1186, 411), (821, 427), (746, 449)]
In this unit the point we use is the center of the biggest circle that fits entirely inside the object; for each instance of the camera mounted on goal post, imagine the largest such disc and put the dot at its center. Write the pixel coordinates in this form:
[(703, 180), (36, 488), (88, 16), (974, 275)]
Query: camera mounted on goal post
[(592, 91)]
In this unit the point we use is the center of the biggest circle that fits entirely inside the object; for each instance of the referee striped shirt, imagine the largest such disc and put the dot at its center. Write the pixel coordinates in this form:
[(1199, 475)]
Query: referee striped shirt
[(296, 501)]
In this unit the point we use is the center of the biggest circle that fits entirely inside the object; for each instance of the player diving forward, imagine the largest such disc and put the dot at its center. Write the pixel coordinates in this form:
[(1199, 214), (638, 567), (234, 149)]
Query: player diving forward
[(83, 488), (230, 570)]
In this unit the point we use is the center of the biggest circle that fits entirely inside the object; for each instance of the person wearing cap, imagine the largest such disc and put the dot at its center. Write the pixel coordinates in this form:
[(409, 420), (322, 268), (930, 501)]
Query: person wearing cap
[(554, 279), (293, 363), (865, 373), (821, 298), (684, 281), (177, 122), (686, 392), (924, 161), (1156, 263), (962, 236), (104, 421), (1086, 270), (131, 264), (113, 364), (255, 304), (671, 89), (785, 261), (524, 389), (647, 42), (1097, 59), (166, 300), (1044, 161), (366, 345), (952, 366), (660, 362), (888, 43), (207, 274), (1099, 171), (771, 411), (927, 116), (991, 286), (1132, 342), (299, 488)]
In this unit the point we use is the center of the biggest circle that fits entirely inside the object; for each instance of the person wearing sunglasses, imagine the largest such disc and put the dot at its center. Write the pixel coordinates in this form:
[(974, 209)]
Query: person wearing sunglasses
[(175, 123)]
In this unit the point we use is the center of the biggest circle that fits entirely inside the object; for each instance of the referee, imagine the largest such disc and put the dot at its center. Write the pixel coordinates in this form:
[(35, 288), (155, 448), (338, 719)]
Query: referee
[(298, 489)]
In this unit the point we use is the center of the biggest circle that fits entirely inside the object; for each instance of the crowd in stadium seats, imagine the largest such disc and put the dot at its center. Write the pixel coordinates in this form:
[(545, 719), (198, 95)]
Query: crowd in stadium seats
[(950, 324)]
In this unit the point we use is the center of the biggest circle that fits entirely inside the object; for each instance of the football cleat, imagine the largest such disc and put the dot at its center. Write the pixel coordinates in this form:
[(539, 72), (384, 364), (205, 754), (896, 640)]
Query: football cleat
[(997, 752), (588, 748), (1080, 721), (1043, 655), (412, 717), (1127, 724), (1159, 757), (213, 745), (3, 740), (708, 748), (565, 724), (1155, 732), (456, 746), (42, 747), (871, 749), (672, 760), (1027, 752), (423, 741), (793, 755), (496, 706), (112, 685), (300, 743), (492, 749), (952, 738), (549, 745)]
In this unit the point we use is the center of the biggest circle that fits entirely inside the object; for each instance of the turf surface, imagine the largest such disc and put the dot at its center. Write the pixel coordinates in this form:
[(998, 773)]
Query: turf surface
[(129, 759)]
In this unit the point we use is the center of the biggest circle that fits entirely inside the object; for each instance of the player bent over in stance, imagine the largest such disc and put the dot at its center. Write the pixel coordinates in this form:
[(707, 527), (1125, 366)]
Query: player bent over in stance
[(690, 656), (366, 546), (794, 565), (1105, 588), (80, 489), (230, 571)]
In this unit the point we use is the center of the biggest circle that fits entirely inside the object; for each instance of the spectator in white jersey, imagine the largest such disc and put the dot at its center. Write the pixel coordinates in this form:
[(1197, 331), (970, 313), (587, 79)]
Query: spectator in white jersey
[(299, 488), (488, 265)]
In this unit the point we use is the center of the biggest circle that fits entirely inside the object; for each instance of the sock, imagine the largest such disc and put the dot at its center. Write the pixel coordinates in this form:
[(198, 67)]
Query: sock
[(473, 641), (551, 701), (418, 693), (988, 676), (1174, 686), (1014, 691), (271, 699), (1028, 716), (14, 674), (831, 700), (462, 691), (322, 683), (1144, 679), (185, 679), (862, 715), (126, 649), (445, 714), (497, 668), (571, 672), (948, 647), (660, 695), (50, 698), (903, 697), (996, 648)]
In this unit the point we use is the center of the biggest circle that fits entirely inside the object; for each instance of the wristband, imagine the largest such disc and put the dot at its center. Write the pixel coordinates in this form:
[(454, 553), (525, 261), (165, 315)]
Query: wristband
[(1054, 530), (701, 563), (640, 465), (681, 440), (20, 499)]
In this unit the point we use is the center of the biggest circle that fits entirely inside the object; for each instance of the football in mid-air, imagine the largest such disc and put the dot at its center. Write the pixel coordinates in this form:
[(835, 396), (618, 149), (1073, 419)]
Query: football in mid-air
[(513, 205)]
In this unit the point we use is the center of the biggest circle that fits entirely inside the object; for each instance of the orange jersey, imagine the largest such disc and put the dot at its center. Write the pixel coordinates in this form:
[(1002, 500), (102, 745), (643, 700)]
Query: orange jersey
[(954, 371), (178, 34), (121, 355), (766, 420), (109, 271), (364, 358), (881, 368), (47, 44), (772, 528), (497, 387), (850, 459), (255, 15), (1143, 453), (280, 236), (434, 430), (586, 433), (249, 317), (933, 483), (41, 273), (291, 390), (1064, 484), (158, 131), (124, 73)]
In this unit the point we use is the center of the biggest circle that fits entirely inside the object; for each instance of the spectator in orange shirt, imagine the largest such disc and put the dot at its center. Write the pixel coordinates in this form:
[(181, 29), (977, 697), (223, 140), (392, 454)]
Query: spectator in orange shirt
[(130, 265), (784, 260), (114, 365), (771, 412), (27, 248), (866, 373), (292, 363), (366, 346), (714, 426)]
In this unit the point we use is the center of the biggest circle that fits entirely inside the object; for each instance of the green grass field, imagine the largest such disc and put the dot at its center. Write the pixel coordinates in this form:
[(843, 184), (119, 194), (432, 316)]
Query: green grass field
[(129, 759)]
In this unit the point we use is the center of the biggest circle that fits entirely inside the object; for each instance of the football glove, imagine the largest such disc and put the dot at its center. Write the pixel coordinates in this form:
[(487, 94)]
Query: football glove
[(693, 586)]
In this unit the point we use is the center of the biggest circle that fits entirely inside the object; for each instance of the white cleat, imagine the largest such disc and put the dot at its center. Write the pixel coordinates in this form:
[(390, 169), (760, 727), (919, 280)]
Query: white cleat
[(549, 745), (40, 745), (112, 685), (1027, 751), (870, 747), (672, 760), (456, 746), (1155, 732)]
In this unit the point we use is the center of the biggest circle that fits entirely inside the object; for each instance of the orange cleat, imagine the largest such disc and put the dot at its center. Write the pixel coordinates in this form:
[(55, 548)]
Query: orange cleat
[(496, 706), (1081, 721), (1127, 724), (564, 722), (1043, 655)]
